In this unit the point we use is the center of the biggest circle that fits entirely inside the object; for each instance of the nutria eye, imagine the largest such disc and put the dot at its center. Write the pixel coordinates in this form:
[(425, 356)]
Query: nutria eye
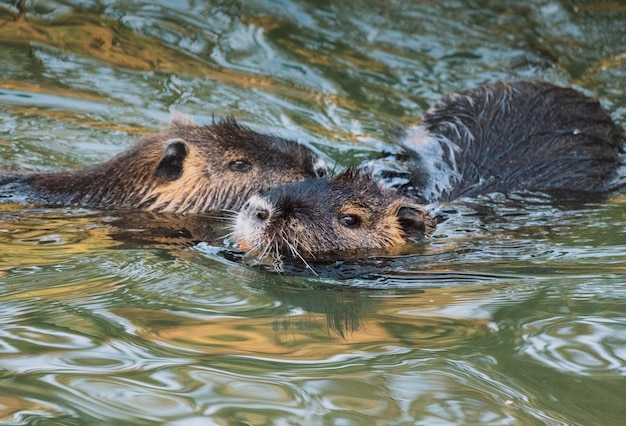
[(239, 166), (350, 221)]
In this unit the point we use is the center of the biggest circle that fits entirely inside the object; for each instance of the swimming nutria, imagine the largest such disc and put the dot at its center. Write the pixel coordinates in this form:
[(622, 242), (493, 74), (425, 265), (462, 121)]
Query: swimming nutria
[(502, 137), (184, 168), (507, 137), (344, 212)]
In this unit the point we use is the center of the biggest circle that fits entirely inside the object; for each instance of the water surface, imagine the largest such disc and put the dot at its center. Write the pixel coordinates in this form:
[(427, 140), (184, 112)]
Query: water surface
[(514, 313)]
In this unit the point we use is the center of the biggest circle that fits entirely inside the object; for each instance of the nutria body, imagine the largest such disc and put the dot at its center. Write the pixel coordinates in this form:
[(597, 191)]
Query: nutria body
[(184, 168), (507, 137), (339, 213), (526, 136)]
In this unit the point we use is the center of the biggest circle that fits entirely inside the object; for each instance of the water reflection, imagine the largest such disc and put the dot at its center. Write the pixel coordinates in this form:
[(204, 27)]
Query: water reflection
[(585, 345), (312, 324)]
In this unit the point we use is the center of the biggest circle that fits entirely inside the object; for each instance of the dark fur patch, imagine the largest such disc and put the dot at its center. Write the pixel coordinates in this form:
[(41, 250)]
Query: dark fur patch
[(412, 223), (171, 165)]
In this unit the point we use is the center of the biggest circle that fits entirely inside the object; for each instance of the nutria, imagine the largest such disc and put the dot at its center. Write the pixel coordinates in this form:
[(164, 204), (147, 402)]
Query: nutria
[(184, 168), (338, 213), (508, 137), (503, 137)]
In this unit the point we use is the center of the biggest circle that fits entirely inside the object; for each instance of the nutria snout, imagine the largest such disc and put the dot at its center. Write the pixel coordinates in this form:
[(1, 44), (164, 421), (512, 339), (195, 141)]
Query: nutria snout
[(184, 168), (345, 212)]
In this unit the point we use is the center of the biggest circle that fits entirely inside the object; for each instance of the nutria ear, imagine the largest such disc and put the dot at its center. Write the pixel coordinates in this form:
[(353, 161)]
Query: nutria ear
[(414, 222), (171, 165), (181, 118)]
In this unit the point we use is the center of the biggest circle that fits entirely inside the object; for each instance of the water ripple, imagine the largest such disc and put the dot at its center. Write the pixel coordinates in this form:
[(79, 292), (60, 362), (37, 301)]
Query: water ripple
[(511, 314), (582, 345)]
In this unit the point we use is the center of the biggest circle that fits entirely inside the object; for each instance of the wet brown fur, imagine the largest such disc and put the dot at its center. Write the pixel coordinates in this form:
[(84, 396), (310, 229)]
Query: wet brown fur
[(303, 219), (506, 137), (184, 168)]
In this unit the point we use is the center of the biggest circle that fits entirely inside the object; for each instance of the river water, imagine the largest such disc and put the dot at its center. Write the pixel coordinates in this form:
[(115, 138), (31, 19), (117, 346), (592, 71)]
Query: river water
[(514, 313)]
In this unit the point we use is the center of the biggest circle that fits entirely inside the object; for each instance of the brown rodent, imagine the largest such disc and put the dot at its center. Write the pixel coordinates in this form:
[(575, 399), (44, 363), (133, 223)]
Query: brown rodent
[(504, 137), (348, 211), (184, 168)]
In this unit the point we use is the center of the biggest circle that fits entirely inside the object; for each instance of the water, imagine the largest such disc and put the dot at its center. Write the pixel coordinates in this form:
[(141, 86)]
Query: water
[(514, 313)]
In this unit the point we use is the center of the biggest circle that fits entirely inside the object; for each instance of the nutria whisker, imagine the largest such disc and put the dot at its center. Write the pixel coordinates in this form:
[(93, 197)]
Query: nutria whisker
[(296, 254), (278, 257), (263, 255), (227, 236), (306, 248), (252, 257), (249, 255), (230, 212), (218, 217), (266, 250), (294, 251)]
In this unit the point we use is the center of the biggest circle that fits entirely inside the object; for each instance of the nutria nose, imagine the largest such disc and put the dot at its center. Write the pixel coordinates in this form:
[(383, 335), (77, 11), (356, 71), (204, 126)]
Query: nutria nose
[(258, 209), (262, 214)]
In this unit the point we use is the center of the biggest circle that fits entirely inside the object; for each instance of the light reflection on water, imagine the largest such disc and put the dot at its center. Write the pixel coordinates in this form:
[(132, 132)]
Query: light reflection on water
[(512, 313), (583, 345)]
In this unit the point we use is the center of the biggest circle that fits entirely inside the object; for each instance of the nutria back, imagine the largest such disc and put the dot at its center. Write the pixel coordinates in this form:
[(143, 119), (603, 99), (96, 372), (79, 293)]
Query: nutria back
[(346, 212), (507, 137), (184, 168)]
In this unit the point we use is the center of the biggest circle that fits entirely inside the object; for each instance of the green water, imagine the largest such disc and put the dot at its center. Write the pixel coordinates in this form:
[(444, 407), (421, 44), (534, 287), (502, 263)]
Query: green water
[(514, 315)]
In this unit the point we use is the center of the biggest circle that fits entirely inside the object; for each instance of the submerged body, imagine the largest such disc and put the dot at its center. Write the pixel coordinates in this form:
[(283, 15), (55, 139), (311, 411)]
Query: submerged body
[(184, 168), (526, 136)]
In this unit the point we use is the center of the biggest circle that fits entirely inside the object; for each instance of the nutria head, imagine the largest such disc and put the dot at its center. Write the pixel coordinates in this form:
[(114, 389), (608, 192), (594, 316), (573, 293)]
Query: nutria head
[(347, 212), (184, 168)]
